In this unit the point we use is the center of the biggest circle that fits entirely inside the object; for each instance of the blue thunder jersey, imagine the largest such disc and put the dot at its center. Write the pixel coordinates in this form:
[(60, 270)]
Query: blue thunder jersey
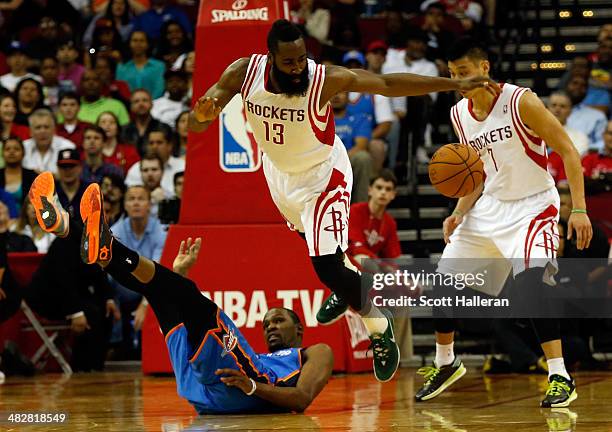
[(226, 347)]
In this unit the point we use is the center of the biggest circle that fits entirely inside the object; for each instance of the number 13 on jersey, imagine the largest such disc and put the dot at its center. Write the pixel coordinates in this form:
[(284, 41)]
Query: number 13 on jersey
[(276, 131)]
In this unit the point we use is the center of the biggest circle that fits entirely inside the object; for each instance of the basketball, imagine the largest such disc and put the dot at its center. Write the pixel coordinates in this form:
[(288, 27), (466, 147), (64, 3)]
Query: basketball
[(455, 170)]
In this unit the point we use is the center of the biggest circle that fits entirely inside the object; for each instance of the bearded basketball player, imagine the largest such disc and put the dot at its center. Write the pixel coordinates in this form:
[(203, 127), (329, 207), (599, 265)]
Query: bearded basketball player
[(286, 99)]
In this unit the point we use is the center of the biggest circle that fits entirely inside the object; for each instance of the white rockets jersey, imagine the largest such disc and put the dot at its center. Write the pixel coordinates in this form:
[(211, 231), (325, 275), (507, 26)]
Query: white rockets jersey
[(293, 132), (515, 159)]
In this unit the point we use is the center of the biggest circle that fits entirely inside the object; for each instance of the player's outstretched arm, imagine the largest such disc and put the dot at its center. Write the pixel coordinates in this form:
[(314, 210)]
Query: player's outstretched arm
[(535, 115), (314, 375), (400, 84), (208, 107)]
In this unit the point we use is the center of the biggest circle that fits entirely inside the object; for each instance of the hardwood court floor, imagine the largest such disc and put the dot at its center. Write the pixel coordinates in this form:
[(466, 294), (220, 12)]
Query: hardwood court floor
[(131, 402)]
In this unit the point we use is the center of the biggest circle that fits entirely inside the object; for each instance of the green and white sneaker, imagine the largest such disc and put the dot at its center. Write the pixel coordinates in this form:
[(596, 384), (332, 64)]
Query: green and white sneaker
[(385, 350), (439, 379), (331, 310)]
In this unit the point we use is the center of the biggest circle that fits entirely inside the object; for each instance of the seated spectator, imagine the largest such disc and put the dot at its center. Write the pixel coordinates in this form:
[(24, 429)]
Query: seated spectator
[(121, 155), (27, 225), (30, 98), (372, 231), (160, 143), (105, 67), (597, 95), (70, 70), (71, 127), (106, 42), (143, 233), (313, 22), (584, 118), (69, 186), (440, 28), (168, 107), (137, 131), (10, 295), (186, 63), (152, 171), (179, 179), (8, 110), (560, 104), (64, 288), (94, 167), (598, 165), (93, 103), (113, 188), (141, 71), (600, 83), (136, 6), (42, 149), (182, 131), (14, 178), (17, 61), (46, 42), (14, 242), (116, 11), (376, 108), (355, 133), (49, 71), (151, 21), (173, 43), (469, 12)]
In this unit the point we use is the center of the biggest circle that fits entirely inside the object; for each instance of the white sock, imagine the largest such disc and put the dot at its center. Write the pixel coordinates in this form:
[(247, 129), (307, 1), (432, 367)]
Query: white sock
[(556, 366), (375, 321), (444, 354)]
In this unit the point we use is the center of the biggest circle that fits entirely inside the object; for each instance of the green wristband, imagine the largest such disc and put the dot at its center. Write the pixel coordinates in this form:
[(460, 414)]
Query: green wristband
[(582, 211), (457, 213)]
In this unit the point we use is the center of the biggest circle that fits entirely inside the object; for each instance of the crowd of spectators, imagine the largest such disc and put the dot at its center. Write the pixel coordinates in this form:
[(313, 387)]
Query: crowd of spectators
[(93, 91)]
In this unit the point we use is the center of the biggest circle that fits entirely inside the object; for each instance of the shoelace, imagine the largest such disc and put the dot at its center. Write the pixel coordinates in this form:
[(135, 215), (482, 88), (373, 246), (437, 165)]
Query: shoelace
[(429, 373), (333, 301), (379, 348), (556, 388)]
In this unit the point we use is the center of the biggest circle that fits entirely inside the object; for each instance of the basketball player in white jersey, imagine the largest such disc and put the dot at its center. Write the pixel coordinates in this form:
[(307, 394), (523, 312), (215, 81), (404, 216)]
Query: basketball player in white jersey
[(510, 220), (286, 100)]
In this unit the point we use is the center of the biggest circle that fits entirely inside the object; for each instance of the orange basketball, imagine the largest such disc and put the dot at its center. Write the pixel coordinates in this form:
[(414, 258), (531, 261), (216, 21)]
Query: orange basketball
[(455, 170)]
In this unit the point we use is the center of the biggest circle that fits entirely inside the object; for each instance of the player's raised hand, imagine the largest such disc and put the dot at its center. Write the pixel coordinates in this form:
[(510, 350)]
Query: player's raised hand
[(580, 223), (471, 84), (206, 109), (450, 224), (187, 255)]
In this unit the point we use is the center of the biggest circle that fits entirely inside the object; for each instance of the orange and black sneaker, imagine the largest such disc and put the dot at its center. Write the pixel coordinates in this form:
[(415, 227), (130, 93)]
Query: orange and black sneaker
[(97, 239), (50, 214)]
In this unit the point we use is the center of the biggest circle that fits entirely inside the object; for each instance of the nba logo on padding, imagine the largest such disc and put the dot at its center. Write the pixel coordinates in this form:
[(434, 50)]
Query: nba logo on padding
[(238, 150)]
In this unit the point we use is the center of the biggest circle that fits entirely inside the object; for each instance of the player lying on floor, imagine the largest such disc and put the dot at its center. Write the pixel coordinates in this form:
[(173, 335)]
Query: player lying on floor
[(216, 369)]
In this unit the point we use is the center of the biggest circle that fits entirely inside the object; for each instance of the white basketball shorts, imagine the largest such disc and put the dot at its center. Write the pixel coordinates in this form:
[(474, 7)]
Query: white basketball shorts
[(316, 202), (499, 236)]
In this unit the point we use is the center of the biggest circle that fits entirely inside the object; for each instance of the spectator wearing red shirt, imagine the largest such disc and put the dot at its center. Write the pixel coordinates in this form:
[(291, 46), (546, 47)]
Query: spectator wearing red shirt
[(71, 128), (372, 231), (121, 155), (595, 165), (8, 127)]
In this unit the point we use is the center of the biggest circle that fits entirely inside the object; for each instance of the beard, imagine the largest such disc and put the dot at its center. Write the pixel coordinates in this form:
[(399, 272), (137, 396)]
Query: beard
[(287, 85)]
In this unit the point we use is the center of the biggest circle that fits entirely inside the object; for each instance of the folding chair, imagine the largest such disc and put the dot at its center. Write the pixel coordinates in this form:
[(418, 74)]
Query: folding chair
[(23, 266)]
